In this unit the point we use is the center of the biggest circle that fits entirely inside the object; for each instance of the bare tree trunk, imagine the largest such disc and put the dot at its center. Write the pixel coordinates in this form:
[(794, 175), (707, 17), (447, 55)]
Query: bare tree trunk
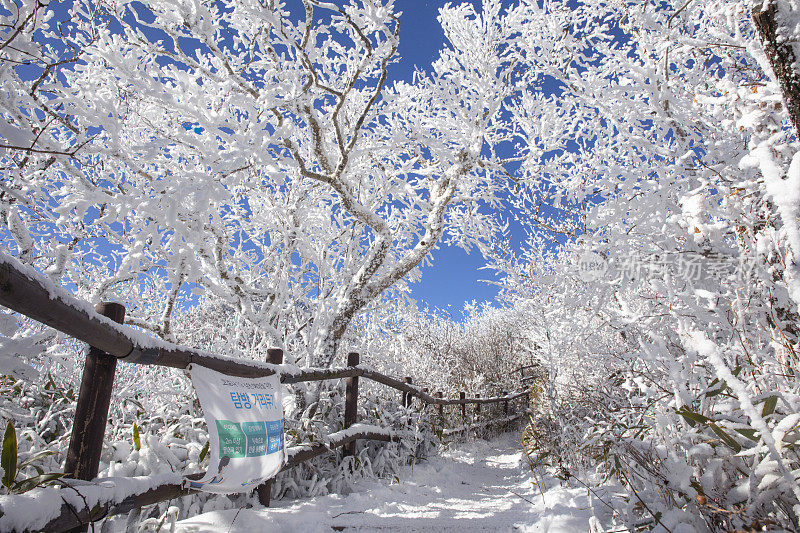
[(781, 57)]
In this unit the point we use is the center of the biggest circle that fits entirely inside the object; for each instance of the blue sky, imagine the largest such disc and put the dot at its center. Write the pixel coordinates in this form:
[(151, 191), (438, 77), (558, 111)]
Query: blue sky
[(453, 278)]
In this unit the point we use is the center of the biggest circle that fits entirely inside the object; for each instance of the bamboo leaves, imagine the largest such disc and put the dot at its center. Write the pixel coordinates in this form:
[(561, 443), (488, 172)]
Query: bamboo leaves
[(8, 458), (11, 468)]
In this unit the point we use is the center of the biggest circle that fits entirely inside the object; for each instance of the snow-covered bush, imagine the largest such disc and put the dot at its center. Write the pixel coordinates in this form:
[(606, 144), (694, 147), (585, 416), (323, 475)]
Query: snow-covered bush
[(661, 267)]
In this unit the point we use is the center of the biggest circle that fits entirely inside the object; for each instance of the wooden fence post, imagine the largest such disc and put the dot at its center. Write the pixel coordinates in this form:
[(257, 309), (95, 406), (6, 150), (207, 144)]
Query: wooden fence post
[(275, 356), (407, 395), (91, 412), (440, 406), (351, 402), (505, 405), (422, 403), (264, 491), (477, 407), (461, 396)]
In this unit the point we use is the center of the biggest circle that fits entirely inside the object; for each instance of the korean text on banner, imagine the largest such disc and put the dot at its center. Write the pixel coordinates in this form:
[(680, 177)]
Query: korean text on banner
[(245, 428)]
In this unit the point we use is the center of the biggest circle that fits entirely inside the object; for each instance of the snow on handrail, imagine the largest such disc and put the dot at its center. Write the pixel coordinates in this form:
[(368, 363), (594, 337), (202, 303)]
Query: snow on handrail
[(26, 291)]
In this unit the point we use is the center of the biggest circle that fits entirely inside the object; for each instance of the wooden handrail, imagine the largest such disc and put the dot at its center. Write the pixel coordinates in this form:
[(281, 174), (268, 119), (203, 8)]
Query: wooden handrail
[(26, 291), (491, 422)]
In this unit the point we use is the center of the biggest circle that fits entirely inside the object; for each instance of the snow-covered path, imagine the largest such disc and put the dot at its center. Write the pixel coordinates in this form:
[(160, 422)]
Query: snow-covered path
[(482, 486)]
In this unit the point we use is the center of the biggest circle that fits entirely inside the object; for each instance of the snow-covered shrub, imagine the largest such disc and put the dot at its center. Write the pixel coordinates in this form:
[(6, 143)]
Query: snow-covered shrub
[(479, 354), (660, 275)]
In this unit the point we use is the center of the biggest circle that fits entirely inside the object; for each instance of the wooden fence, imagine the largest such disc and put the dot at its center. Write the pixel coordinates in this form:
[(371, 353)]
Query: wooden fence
[(24, 290)]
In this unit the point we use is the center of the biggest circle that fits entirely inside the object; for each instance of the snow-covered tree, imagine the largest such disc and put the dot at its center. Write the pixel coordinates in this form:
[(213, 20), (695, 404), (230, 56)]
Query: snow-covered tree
[(253, 152), (664, 238)]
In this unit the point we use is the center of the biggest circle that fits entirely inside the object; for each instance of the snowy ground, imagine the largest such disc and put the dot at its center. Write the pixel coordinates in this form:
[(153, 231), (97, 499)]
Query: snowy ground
[(481, 486)]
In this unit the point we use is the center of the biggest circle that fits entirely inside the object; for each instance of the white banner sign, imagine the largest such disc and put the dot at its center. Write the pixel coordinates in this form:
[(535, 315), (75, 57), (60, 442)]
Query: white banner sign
[(245, 427)]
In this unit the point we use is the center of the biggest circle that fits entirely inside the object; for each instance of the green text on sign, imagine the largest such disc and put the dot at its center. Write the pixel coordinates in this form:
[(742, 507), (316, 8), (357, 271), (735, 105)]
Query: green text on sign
[(231, 439)]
